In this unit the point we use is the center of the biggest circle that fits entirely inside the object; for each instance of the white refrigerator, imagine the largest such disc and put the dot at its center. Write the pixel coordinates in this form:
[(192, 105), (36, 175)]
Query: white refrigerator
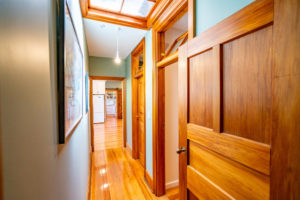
[(98, 103)]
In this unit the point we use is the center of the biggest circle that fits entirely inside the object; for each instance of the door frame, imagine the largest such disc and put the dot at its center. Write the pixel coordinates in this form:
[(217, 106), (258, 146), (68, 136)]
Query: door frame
[(134, 77), (174, 12), (123, 79), (116, 90)]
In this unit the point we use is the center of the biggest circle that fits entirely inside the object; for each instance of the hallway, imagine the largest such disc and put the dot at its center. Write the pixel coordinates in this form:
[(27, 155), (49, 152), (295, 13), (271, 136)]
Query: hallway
[(115, 175), (108, 135)]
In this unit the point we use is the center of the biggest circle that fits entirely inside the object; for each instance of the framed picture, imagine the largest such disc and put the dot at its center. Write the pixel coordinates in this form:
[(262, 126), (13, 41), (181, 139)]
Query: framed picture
[(70, 73)]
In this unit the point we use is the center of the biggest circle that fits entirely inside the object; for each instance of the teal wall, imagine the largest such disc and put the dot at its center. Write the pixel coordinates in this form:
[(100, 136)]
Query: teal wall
[(148, 85), (99, 66), (210, 12), (128, 101)]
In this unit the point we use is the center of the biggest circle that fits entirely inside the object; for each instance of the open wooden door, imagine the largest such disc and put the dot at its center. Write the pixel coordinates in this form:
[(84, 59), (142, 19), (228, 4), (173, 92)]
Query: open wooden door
[(225, 102), (119, 104)]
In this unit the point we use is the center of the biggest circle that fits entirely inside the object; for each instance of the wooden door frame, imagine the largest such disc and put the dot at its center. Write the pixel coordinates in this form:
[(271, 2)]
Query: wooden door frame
[(116, 90), (134, 77), (173, 12), (123, 79)]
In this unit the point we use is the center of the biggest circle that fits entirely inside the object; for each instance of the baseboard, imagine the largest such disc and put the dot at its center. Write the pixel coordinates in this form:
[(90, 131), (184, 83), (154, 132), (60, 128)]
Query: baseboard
[(149, 180), (172, 184), (88, 193), (128, 148)]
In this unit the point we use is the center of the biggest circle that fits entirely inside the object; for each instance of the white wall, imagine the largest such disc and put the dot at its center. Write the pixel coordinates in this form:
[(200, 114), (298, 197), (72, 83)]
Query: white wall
[(171, 125), (35, 167)]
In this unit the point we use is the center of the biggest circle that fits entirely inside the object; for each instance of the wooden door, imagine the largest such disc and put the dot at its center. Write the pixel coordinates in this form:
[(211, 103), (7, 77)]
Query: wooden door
[(141, 119), (225, 101), (119, 104)]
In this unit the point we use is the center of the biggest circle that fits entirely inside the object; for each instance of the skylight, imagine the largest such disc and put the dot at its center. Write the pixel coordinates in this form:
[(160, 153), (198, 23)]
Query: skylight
[(138, 8)]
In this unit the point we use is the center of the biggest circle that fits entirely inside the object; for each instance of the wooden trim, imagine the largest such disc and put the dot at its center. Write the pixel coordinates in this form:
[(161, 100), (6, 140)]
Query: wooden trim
[(168, 60), (172, 13), (88, 194), (236, 148), (91, 78), (84, 5), (191, 19), (149, 180), (259, 14), (175, 10), (156, 12), (182, 110), (107, 78), (217, 88), (128, 148), (136, 52), (116, 18), (124, 113), (91, 113), (285, 162)]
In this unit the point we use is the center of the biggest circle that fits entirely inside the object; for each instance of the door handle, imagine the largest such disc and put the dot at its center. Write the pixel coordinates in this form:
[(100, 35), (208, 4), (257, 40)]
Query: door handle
[(180, 150)]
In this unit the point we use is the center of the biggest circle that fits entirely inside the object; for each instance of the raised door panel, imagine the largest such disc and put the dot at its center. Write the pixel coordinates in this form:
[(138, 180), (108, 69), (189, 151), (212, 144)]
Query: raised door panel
[(247, 93), (200, 89)]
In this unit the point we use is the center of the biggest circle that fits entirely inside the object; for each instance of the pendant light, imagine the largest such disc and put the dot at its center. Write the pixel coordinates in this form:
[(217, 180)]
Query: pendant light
[(117, 59)]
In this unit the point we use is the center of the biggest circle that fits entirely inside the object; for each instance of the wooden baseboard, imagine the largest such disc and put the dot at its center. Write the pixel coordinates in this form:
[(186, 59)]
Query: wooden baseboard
[(149, 180), (88, 193), (129, 150)]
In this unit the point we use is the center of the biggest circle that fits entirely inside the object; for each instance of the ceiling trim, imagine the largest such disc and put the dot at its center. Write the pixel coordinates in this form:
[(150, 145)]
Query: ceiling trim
[(126, 20), (116, 18)]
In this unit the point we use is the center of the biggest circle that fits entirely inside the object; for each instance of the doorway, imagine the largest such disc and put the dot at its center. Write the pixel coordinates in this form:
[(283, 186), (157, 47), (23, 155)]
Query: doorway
[(138, 102), (107, 112)]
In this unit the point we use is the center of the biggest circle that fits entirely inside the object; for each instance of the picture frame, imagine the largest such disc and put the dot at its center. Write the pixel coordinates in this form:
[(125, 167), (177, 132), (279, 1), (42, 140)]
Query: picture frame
[(69, 73)]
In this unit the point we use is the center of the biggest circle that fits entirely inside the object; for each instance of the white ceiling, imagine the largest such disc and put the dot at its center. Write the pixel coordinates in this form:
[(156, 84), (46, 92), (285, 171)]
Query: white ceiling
[(102, 38)]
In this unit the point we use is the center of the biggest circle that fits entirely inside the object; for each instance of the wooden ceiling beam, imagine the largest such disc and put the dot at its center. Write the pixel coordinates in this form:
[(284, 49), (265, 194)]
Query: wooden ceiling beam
[(116, 18)]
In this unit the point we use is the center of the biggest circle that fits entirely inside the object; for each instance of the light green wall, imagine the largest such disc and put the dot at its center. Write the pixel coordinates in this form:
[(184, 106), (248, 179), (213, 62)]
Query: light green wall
[(100, 66), (128, 100), (35, 166), (210, 12)]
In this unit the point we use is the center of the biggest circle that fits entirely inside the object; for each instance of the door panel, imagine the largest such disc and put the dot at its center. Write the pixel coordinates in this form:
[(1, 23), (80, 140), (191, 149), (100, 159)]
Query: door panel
[(141, 119), (200, 91), (247, 93), (225, 99)]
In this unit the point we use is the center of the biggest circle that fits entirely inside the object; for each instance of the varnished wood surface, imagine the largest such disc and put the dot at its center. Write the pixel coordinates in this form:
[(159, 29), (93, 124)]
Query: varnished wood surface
[(108, 135), (285, 162), (116, 176)]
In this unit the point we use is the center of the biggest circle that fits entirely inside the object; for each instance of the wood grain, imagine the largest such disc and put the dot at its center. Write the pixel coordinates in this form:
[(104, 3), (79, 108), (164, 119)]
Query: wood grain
[(285, 162), (191, 19), (247, 94), (208, 191), (182, 110), (236, 180), (249, 153), (217, 87), (200, 92), (116, 18), (259, 14)]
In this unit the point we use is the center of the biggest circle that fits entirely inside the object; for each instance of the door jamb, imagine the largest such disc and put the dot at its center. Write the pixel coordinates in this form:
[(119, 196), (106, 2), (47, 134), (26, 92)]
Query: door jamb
[(123, 79), (175, 10)]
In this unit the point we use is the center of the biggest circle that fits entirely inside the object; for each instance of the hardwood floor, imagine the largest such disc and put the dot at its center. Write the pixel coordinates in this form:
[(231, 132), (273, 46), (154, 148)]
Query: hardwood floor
[(109, 134), (115, 175)]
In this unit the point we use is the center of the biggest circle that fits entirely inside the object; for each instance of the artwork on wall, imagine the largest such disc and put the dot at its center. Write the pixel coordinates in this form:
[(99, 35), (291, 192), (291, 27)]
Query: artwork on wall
[(70, 73)]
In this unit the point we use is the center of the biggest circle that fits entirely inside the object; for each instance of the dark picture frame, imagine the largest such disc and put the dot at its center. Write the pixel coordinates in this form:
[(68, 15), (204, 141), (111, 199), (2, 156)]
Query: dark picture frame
[(69, 73)]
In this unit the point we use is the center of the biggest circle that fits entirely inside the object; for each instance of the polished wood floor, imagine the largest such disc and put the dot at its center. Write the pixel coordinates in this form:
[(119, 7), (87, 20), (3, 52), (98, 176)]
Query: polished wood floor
[(115, 175), (108, 135)]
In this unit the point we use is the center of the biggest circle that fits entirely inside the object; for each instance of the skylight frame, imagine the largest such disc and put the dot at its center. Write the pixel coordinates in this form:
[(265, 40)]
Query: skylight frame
[(121, 7)]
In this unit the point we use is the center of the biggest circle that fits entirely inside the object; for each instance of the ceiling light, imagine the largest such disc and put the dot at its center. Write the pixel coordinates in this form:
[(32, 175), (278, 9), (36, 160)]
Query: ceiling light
[(117, 59)]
